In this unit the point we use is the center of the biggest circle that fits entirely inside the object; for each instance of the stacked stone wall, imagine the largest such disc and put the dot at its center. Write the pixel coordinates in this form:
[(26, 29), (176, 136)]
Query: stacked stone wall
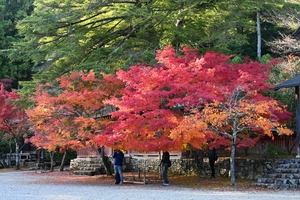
[(244, 168)]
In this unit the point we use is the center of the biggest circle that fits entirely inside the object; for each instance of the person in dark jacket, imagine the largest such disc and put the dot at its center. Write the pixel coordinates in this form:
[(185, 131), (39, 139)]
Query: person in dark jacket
[(165, 162), (212, 157), (118, 163)]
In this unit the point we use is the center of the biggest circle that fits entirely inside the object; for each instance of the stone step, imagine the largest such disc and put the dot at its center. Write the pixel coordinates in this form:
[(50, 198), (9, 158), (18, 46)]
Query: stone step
[(265, 180), (287, 170), (281, 180), (84, 172), (89, 168), (273, 176), (281, 175), (285, 176), (272, 186), (288, 161), (91, 164), (295, 165)]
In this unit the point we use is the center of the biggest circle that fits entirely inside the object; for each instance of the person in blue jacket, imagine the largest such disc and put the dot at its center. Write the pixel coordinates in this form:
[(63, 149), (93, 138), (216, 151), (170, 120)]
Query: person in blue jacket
[(118, 163)]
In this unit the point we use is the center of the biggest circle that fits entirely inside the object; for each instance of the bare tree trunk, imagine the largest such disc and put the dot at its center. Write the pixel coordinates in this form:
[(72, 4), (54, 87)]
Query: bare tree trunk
[(289, 144), (2, 165), (258, 36), (198, 156), (2, 162), (62, 165), (105, 161), (52, 160), (10, 152), (179, 25), (232, 160), (17, 155)]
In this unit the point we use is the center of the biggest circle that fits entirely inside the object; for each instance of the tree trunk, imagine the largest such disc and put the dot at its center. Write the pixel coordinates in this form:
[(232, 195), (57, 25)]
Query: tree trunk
[(10, 152), (62, 165), (2, 165), (198, 156), (105, 161), (232, 160), (289, 144), (176, 43), (17, 155), (258, 36), (52, 161), (3, 160)]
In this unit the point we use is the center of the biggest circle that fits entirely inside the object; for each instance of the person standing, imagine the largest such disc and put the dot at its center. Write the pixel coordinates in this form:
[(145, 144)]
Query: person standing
[(212, 157), (166, 163), (118, 163)]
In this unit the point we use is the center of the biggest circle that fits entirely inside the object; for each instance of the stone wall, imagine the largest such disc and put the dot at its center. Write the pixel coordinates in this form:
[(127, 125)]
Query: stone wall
[(244, 168)]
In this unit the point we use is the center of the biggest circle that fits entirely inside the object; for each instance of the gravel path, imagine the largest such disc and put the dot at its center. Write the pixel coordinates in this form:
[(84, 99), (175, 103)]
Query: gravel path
[(21, 185)]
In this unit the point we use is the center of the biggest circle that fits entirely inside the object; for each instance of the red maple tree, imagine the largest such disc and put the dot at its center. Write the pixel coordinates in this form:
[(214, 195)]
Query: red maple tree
[(13, 120), (68, 116), (191, 99)]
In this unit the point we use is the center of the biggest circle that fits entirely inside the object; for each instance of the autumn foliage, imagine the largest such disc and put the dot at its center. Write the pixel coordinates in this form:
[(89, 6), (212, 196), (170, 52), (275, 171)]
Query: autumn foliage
[(181, 102), (13, 120), (68, 115), (189, 100)]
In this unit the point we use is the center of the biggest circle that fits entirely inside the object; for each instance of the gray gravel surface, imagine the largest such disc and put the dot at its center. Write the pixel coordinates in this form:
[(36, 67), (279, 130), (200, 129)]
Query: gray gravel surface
[(22, 185)]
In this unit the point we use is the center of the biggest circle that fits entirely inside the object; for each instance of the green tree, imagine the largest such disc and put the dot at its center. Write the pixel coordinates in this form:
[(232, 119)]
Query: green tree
[(61, 36), (10, 13), (287, 69), (289, 19), (105, 35), (64, 35)]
